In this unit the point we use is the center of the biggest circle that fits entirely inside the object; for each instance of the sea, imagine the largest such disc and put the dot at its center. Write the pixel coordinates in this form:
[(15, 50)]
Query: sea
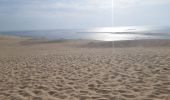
[(99, 33)]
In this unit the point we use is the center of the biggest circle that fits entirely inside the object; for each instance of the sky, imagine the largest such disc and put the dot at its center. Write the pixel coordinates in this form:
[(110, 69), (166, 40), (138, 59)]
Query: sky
[(75, 14)]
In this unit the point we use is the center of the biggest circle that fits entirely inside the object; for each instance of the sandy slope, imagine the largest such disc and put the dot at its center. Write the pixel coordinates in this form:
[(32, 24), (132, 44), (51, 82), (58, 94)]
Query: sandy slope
[(83, 70)]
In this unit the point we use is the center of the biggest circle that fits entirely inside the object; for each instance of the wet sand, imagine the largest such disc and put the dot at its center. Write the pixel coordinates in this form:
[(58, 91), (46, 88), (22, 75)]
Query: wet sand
[(32, 69)]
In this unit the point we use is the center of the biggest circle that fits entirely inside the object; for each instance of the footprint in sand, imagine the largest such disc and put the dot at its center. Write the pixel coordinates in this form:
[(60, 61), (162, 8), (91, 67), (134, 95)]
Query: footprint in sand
[(5, 94), (24, 93), (16, 98), (122, 91), (57, 95), (61, 96), (91, 86), (128, 95), (42, 87), (37, 92), (83, 92), (37, 98), (52, 92), (103, 91), (83, 97)]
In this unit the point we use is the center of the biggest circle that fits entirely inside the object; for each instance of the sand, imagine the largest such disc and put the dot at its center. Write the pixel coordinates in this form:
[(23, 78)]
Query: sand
[(33, 69)]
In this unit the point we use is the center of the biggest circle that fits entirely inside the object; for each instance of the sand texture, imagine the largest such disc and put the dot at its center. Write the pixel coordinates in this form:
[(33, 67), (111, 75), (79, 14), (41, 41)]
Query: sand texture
[(33, 69)]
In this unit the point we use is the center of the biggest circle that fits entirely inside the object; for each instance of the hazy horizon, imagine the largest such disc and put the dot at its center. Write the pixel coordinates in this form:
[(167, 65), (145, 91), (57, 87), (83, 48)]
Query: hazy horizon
[(76, 14)]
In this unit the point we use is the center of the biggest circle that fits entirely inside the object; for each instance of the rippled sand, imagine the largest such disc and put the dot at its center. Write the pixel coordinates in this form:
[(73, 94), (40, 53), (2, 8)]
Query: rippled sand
[(33, 69)]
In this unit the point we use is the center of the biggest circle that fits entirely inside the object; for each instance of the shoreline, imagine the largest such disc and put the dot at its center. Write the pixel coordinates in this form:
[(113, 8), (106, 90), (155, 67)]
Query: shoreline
[(93, 43), (118, 43)]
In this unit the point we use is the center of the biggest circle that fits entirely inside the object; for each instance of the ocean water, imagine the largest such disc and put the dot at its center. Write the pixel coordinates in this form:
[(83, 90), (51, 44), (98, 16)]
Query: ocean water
[(102, 33)]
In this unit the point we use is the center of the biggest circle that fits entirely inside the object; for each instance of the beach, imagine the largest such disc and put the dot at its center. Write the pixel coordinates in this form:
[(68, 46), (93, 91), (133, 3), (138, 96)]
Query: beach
[(41, 69)]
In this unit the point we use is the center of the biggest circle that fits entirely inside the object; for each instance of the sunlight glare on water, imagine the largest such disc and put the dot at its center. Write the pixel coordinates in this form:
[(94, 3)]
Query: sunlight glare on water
[(101, 33), (120, 29), (118, 33), (117, 37)]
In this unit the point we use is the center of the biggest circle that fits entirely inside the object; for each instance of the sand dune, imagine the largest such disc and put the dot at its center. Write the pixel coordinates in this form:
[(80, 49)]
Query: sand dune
[(128, 43), (143, 43), (102, 44), (83, 70)]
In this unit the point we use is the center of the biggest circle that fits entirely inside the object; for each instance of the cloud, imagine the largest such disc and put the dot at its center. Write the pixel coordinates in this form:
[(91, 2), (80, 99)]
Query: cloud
[(74, 13), (134, 3), (71, 6), (158, 2)]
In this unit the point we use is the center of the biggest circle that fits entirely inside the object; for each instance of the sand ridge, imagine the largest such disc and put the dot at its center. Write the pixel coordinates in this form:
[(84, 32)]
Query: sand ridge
[(73, 71)]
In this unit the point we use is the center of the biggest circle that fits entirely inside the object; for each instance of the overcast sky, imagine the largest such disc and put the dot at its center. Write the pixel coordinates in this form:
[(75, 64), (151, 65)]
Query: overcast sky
[(61, 14)]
